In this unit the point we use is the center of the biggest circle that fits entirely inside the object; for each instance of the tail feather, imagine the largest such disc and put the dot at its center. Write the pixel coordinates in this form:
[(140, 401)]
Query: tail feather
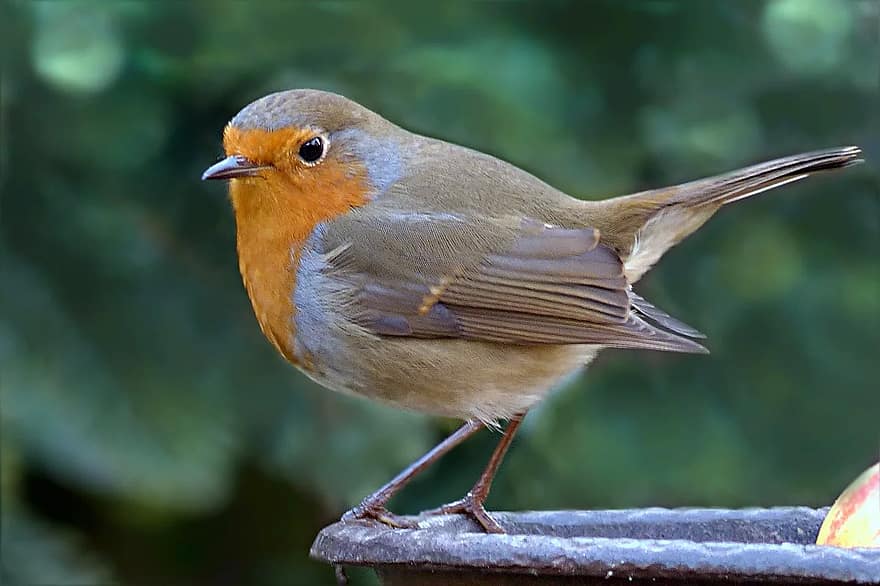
[(643, 226), (737, 185), (661, 318)]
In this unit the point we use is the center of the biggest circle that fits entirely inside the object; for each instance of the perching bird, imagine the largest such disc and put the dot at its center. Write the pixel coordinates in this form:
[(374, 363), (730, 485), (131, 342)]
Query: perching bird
[(439, 279)]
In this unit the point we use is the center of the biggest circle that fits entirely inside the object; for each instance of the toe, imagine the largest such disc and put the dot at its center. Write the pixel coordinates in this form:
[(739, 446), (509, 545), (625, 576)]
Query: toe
[(473, 509), (489, 524), (380, 514), (453, 508)]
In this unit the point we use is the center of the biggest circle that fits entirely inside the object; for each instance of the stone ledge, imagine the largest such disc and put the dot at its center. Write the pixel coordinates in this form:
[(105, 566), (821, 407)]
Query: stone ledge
[(653, 545)]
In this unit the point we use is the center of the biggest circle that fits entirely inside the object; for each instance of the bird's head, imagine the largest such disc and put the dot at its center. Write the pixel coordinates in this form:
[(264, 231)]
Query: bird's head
[(295, 159), (306, 152)]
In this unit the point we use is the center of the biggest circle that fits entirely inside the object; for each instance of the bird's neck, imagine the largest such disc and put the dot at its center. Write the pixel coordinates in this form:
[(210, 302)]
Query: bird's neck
[(274, 219)]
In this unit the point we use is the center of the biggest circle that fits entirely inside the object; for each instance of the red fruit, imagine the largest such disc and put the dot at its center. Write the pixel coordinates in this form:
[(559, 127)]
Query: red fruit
[(854, 520)]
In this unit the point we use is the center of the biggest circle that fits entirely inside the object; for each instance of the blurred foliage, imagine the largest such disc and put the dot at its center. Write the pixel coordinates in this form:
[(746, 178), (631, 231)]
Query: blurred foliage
[(149, 435)]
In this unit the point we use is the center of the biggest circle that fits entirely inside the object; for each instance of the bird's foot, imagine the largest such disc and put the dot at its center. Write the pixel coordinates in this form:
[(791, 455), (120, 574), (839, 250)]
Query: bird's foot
[(367, 511), (473, 508)]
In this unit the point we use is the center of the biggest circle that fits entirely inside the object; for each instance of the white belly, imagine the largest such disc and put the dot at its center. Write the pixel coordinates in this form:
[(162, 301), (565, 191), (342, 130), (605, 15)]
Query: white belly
[(453, 378)]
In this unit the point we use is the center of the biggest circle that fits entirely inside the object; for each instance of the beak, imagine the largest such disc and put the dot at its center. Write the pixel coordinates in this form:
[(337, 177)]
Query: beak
[(232, 167)]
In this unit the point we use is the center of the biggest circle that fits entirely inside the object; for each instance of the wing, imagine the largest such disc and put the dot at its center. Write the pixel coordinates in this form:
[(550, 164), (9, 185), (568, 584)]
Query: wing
[(512, 280)]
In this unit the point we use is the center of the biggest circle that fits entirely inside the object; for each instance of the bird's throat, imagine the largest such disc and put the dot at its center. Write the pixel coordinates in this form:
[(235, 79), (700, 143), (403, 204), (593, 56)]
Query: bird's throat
[(267, 259), (274, 219)]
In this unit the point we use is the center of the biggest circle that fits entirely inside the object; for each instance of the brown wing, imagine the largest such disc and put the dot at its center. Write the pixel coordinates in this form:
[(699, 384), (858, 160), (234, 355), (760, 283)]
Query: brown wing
[(533, 284)]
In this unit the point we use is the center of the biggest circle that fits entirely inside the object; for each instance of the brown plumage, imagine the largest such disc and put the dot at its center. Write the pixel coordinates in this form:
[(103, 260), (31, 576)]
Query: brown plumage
[(440, 279)]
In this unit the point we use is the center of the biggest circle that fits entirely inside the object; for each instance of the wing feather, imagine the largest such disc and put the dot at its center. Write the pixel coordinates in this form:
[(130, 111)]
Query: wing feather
[(534, 284)]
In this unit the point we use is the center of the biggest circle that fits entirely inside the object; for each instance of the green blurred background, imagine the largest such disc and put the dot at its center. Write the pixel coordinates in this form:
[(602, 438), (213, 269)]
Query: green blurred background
[(151, 436)]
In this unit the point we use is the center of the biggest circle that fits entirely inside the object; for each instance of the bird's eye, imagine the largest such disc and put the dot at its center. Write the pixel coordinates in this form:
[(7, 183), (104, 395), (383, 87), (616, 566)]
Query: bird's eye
[(312, 150)]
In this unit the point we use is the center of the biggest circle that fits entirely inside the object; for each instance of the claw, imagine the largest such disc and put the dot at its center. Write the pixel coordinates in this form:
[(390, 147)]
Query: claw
[(473, 508), (370, 512)]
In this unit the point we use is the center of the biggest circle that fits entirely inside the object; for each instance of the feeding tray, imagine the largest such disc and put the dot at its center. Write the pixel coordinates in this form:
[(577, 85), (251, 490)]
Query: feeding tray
[(657, 546)]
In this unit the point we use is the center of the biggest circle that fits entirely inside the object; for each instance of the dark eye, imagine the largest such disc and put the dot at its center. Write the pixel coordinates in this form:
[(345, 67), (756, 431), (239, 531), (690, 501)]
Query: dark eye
[(312, 150)]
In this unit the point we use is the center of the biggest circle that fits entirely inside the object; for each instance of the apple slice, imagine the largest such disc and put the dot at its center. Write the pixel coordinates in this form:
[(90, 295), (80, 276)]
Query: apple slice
[(854, 520)]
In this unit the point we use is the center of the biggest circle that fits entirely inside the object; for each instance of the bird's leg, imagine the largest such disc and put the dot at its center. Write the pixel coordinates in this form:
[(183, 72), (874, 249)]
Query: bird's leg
[(373, 506), (472, 503)]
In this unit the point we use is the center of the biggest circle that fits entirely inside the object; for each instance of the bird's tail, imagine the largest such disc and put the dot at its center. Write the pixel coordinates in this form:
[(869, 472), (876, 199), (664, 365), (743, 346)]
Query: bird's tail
[(643, 226)]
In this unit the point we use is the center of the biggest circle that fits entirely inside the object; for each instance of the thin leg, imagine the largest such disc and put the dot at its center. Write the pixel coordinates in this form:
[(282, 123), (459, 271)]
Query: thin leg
[(373, 507), (472, 503)]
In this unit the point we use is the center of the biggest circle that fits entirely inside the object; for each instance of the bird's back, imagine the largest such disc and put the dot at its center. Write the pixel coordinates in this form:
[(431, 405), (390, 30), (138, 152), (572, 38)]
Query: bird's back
[(447, 177)]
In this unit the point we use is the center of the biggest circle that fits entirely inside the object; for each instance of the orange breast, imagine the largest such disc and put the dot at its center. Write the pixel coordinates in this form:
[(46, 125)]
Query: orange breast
[(275, 214)]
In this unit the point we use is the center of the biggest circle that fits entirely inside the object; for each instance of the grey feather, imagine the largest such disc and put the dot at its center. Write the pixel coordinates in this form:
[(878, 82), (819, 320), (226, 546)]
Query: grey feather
[(660, 317)]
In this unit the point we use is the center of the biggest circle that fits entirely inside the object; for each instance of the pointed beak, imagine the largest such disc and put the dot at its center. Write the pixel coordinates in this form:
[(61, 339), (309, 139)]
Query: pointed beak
[(232, 167)]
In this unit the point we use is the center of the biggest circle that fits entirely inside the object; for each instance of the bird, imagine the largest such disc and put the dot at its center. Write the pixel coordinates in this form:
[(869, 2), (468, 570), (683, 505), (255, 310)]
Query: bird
[(439, 279)]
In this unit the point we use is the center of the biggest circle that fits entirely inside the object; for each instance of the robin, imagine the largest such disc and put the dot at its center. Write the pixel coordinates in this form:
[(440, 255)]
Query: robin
[(439, 279)]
